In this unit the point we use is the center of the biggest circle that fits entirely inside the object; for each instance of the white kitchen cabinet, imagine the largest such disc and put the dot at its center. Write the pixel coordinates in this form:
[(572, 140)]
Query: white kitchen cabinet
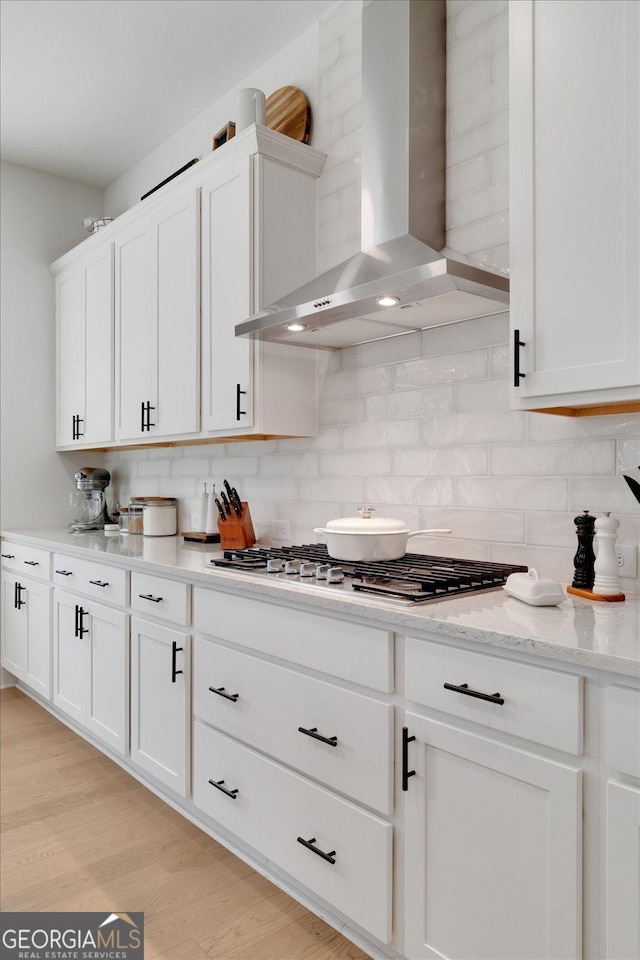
[(623, 871), (493, 849), (26, 631), (258, 243), (575, 214), (161, 703), (84, 349), (157, 322), (91, 667)]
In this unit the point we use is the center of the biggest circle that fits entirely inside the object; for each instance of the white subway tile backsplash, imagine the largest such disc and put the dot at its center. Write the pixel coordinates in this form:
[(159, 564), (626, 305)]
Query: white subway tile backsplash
[(600, 494), (404, 405), (475, 15), (352, 119), (357, 383), (467, 82), (396, 433), (471, 111), (471, 365), (519, 493), (329, 208), (492, 199), (344, 69), (332, 256), (472, 237), (489, 396), (329, 55), (499, 360), (484, 41), (364, 463), (551, 562), (469, 335), (268, 488), (332, 489), (350, 410), (469, 524), (500, 65), (392, 350), (426, 491), (480, 139), (190, 467), (628, 457), (154, 468), (474, 428), (281, 465), (586, 458), (468, 460)]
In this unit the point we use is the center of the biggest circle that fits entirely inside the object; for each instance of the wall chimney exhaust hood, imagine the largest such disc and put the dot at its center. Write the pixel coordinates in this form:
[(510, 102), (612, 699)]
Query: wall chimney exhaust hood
[(404, 280)]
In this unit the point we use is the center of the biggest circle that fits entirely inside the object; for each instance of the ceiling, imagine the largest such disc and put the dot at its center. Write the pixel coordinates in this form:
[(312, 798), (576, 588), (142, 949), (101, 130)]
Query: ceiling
[(90, 87)]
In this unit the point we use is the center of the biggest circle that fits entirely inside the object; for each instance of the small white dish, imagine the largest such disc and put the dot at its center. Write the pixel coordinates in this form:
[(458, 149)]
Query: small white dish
[(534, 589)]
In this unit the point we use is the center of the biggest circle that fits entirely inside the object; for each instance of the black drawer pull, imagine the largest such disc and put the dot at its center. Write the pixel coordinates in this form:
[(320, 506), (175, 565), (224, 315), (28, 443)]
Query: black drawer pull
[(175, 650), (313, 732), (18, 602), (218, 784), (240, 393), (98, 583), (309, 844), (406, 773), (221, 693), (65, 573), (31, 563), (8, 556), (464, 688), (147, 596), (80, 629)]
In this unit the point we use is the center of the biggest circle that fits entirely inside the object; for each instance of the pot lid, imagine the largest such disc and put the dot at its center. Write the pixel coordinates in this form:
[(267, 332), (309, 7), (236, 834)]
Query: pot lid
[(366, 524)]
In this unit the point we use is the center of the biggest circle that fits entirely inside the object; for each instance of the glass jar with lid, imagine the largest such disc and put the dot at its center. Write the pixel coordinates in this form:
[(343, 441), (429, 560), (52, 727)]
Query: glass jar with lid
[(160, 517), (135, 517)]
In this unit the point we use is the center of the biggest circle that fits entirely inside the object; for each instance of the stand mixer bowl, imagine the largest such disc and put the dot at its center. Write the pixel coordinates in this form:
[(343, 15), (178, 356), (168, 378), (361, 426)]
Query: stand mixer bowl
[(88, 505)]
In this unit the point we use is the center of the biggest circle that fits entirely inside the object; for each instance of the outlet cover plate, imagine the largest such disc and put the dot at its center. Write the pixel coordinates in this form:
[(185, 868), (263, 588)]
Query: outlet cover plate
[(281, 529), (627, 556)]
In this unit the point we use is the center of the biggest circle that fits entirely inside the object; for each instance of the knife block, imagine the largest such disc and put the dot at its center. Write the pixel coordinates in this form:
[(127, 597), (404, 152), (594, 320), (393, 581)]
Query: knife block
[(236, 533)]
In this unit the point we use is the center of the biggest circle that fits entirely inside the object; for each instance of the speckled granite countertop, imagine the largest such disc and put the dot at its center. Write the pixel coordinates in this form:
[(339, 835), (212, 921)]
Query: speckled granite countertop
[(604, 636)]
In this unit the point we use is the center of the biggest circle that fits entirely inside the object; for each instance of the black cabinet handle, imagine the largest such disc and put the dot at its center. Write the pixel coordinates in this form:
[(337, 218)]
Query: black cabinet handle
[(149, 409), (31, 563), (406, 773), (142, 423), (219, 785), (175, 650), (464, 688), (80, 629), (8, 556), (309, 844), (517, 343), (79, 420), (99, 583), (313, 732), (75, 428), (65, 573), (17, 598), (240, 393), (147, 596), (221, 693)]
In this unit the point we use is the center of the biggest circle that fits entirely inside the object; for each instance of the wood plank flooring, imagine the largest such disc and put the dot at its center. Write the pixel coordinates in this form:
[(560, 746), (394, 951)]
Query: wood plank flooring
[(78, 833)]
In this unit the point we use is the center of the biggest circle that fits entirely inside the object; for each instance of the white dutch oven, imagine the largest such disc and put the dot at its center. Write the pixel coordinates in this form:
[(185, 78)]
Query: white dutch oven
[(365, 538)]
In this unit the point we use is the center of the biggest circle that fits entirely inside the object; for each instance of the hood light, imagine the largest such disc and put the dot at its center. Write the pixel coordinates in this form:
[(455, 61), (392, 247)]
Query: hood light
[(388, 301), (296, 327)]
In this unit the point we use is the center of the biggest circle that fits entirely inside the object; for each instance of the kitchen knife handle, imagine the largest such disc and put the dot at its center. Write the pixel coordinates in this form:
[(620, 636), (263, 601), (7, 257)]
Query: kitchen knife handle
[(517, 343), (240, 393), (226, 504), (220, 510), (468, 692)]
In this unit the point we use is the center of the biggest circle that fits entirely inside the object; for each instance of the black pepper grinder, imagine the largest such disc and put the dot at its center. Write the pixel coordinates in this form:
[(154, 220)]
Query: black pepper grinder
[(585, 558)]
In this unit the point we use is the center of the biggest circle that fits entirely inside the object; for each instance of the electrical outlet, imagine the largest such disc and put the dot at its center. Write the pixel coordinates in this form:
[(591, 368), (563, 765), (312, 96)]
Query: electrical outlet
[(281, 529), (627, 557)]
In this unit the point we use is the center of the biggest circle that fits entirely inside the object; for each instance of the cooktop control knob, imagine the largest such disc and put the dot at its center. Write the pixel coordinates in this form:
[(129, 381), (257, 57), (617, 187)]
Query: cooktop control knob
[(275, 565), (321, 570), (335, 575), (307, 569), (292, 566)]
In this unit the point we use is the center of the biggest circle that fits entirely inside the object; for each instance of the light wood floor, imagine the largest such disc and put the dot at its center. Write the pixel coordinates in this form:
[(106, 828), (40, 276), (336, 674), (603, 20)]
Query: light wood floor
[(78, 833)]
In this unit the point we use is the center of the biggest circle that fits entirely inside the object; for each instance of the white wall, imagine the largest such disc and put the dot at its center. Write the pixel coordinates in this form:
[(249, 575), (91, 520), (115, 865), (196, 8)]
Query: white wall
[(420, 426), (41, 219)]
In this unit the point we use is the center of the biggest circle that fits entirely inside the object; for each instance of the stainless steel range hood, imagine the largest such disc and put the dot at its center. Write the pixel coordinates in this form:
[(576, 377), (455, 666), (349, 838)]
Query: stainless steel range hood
[(403, 203)]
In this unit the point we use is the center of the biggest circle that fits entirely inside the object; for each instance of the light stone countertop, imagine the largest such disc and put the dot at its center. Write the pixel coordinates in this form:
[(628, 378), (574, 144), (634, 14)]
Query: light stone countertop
[(604, 636)]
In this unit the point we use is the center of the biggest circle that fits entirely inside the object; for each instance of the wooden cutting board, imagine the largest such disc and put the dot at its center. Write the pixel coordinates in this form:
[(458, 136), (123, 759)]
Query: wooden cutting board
[(289, 112)]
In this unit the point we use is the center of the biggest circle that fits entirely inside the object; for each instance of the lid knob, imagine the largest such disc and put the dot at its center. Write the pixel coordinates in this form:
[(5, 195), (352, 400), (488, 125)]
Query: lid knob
[(365, 512)]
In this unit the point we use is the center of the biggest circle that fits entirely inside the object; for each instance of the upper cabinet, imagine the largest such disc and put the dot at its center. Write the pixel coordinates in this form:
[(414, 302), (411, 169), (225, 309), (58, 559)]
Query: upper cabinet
[(237, 231), (575, 176), (157, 322), (84, 349)]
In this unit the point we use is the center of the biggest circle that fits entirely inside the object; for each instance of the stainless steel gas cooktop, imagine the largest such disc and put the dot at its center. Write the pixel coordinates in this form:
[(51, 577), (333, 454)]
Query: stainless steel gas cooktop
[(414, 578)]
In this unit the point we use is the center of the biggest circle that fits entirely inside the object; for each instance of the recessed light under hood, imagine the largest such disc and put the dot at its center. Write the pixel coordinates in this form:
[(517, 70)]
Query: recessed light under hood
[(403, 203)]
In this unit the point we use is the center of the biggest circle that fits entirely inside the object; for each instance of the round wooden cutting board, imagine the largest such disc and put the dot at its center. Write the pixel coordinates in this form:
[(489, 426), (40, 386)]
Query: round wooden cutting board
[(289, 112)]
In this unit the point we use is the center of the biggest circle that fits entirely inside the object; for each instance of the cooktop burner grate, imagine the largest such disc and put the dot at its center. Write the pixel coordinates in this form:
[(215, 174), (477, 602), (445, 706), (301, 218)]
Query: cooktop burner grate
[(414, 578)]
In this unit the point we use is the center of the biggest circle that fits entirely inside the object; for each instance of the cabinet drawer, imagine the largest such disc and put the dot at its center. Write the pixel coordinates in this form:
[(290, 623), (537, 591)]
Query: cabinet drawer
[(622, 729), (157, 597), (270, 704), (355, 652), (106, 583), (272, 807), (27, 560), (539, 704)]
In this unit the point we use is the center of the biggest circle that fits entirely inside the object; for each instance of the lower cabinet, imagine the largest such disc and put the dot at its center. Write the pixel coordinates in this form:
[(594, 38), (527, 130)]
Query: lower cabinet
[(91, 667), (161, 703), (339, 851), (623, 871), (26, 631), (493, 849)]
